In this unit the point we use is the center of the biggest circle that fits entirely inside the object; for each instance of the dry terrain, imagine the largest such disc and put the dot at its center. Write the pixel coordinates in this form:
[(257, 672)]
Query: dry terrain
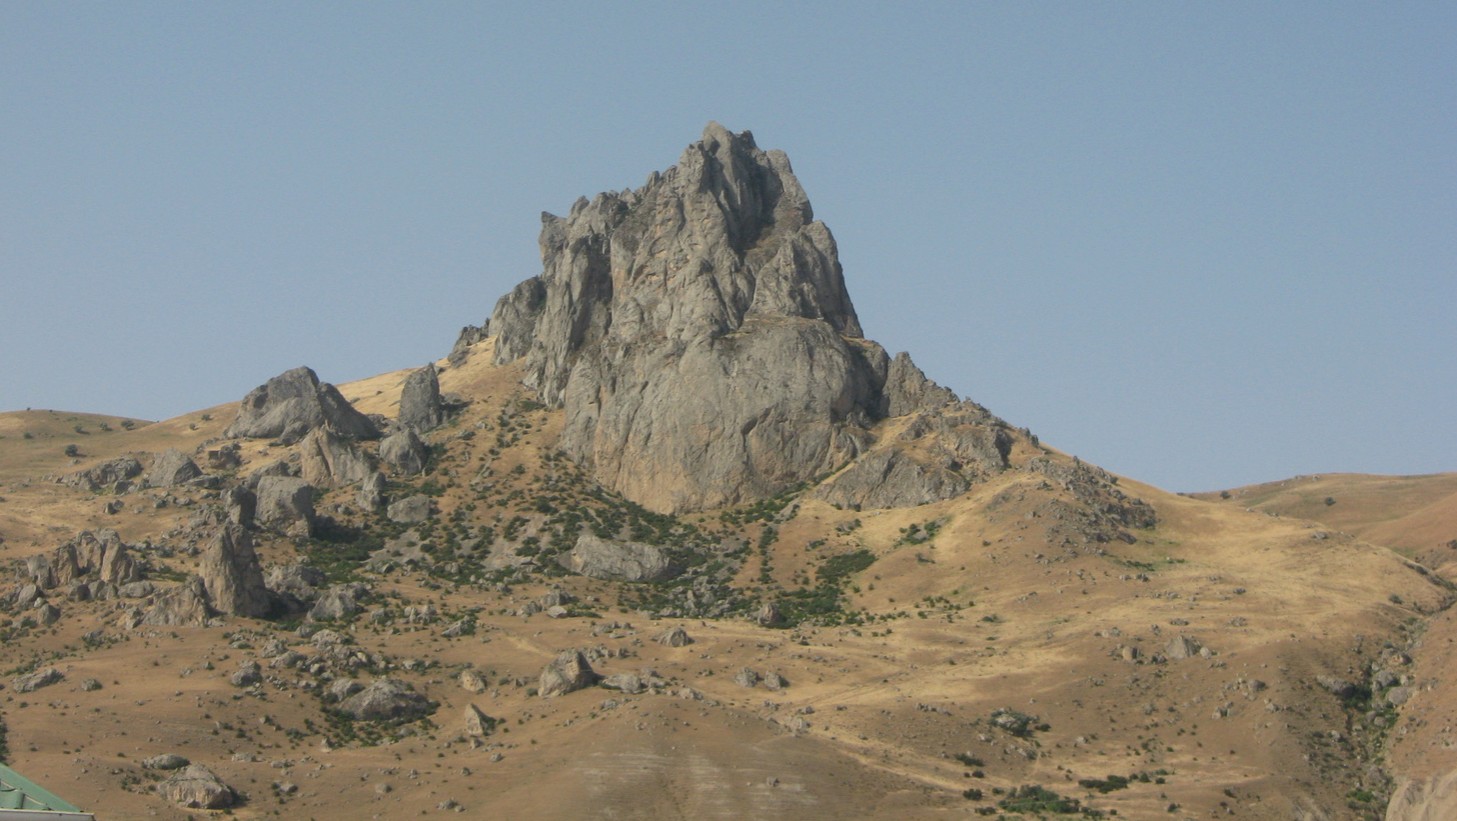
[(957, 653)]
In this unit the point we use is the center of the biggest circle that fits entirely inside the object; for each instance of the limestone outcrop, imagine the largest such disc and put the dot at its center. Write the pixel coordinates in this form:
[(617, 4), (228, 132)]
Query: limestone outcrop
[(420, 405), (184, 604), (98, 556), (330, 460), (698, 333), (198, 788), (113, 474), (387, 699), (232, 575), (620, 561), (567, 673), (404, 451), (293, 403), (285, 503), (171, 467)]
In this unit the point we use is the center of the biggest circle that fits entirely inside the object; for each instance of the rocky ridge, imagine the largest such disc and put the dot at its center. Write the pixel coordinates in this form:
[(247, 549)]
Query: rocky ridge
[(699, 336)]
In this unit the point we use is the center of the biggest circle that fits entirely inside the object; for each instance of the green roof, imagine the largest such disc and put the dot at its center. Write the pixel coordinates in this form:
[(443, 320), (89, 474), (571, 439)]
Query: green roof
[(20, 793)]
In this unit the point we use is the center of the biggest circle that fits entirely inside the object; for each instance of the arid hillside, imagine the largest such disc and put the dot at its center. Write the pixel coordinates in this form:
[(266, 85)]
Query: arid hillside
[(925, 661), (668, 537)]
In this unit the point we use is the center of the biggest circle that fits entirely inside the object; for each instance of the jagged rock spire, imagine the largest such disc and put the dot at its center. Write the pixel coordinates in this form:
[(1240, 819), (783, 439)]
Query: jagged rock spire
[(698, 333)]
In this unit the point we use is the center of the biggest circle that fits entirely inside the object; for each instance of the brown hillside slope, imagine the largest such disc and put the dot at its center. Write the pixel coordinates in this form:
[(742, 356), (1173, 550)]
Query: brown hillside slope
[(1417, 516), (977, 645)]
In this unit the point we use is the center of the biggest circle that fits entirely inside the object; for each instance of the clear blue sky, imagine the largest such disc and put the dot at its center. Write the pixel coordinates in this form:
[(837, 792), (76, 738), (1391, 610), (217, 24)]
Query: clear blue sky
[(1200, 244)]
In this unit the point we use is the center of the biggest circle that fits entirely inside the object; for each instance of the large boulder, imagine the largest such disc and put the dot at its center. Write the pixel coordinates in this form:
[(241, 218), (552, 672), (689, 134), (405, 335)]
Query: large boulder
[(330, 460), (109, 474), (404, 451), (387, 699), (297, 581), (338, 603), (372, 492), (619, 561), (293, 403), (477, 723), (567, 673), (420, 405), (285, 503), (182, 605), (197, 788), (232, 575), (410, 510), (171, 467)]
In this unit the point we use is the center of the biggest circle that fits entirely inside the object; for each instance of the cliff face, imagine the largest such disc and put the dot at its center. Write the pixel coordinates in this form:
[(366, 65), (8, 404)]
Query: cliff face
[(698, 333)]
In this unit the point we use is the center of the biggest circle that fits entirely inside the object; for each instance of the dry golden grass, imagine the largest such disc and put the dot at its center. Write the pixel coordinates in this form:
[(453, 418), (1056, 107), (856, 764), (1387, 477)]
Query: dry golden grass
[(995, 611)]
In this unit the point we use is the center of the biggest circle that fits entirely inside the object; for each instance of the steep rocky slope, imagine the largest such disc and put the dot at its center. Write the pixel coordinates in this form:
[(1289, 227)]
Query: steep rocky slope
[(670, 539), (698, 334)]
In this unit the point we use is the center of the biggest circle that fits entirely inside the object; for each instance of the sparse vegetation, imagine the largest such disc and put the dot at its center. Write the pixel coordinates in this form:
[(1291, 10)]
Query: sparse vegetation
[(1037, 800)]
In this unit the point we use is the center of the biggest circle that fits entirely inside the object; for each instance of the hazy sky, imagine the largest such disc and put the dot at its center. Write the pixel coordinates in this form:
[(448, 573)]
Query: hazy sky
[(1202, 245)]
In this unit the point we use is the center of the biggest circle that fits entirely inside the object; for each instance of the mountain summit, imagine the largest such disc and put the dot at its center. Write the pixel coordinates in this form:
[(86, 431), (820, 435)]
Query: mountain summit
[(698, 333)]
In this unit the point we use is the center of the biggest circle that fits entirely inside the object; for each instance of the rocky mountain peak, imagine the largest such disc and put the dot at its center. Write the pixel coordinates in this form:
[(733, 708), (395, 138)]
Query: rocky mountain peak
[(698, 333)]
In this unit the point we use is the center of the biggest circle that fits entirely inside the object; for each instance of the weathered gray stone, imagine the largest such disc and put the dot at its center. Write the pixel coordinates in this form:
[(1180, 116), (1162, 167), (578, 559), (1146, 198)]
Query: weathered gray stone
[(196, 787), (184, 604), (629, 683), (404, 451), (338, 603), (472, 681), (892, 477), (567, 673), (907, 389), (47, 614), (387, 699), (1336, 686), (297, 580), (285, 502), (232, 576), (171, 467), (768, 615), (1182, 647), (240, 505), (477, 723), (293, 403), (227, 457), (469, 336), (746, 677), (247, 674), (100, 554), (31, 682), (698, 333), (105, 475), (27, 595), (620, 561), (371, 495), (675, 637), (165, 761), (420, 404), (330, 460), (410, 510)]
